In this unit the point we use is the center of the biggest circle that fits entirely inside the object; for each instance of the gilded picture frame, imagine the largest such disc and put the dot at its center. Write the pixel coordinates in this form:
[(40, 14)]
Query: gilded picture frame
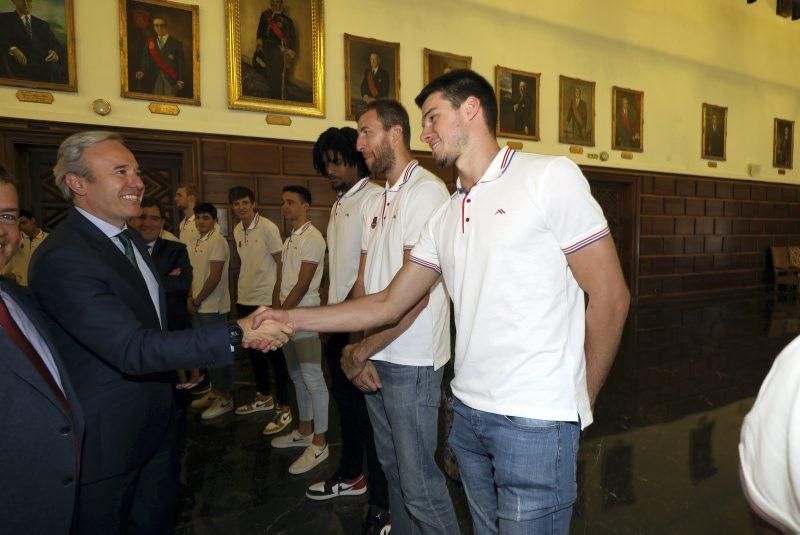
[(714, 139), (576, 111), (160, 51), (371, 70), (517, 103), (45, 58), (437, 63), (260, 34), (627, 119), (783, 144)]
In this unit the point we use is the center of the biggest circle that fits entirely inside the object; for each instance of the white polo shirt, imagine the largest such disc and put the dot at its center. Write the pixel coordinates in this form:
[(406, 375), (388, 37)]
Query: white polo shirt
[(188, 232), (344, 238), (258, 273), (26, 248), (167, 235), (519, 312), (392, 225), (305, 244), (212, 247)]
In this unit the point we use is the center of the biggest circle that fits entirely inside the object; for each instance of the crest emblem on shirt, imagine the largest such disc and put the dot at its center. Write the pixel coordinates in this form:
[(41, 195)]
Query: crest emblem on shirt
[(374, 222)]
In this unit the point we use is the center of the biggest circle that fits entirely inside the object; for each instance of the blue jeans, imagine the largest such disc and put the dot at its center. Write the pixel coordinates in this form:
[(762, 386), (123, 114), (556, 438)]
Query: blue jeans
[(518, 473), (404, 415)]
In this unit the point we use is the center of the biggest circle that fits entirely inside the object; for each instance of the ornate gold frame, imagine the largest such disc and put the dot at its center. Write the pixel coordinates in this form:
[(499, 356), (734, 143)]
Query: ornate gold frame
[(703, 150), (348, 39), (776, 133), (72, 75), (238, 101), (426, 55), (562, 113), (195, 55), (614, 92), (498, 72)]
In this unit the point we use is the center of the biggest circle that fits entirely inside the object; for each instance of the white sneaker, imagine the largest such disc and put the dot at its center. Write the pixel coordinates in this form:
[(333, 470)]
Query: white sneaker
[(309, 459), (206, 401), (218, 408), (279, 422), (292, 440), (257, 405)]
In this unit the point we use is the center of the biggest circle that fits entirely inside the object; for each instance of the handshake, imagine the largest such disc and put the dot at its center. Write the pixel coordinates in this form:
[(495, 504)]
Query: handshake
[(266, 329)]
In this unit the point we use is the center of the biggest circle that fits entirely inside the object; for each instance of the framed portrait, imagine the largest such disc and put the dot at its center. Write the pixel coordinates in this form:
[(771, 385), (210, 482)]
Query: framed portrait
[(627, 119), (224, 221), (783, 144), (575, 111), (276, 56), (371, 71), (37, 40), (160, 53), (517, 103), (438, 63), (715, 132)]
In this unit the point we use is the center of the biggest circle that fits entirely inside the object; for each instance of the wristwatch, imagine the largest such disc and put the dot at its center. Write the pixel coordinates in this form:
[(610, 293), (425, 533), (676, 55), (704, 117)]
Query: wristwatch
[(235, 334)]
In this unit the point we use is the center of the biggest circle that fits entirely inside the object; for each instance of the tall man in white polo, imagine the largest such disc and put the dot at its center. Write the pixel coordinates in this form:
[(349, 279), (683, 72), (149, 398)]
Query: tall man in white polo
[(518, 245)]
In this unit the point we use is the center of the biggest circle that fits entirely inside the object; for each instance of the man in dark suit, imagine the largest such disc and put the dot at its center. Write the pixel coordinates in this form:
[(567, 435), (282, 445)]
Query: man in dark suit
[(97, 281), (375, 83), (42, 420), (162, 65), (28, 47), (523, 110), (276, 47)]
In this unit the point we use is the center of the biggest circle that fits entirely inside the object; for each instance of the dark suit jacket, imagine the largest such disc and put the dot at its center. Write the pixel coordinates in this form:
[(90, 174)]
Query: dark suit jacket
[(36, 49), (168, 255), (118, 357), (171, 55), (381, 79), (37, 448)]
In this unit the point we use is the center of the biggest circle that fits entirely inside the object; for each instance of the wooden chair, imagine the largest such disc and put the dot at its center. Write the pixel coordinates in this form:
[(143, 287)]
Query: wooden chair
[(785, 273)]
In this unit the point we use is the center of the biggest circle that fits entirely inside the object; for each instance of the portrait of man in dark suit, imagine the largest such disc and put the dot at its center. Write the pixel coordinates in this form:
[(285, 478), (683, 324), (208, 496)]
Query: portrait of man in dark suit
[(42, 419), (375, 82), (627, 119), (162, 64), (783, 144), (97, 281), (372, 70), (714, 132), (276, 48), (517, 103), (29, 49)]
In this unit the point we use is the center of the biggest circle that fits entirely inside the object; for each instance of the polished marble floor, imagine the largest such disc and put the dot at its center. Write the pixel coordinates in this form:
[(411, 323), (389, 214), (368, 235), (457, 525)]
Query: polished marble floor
[(661, 456)]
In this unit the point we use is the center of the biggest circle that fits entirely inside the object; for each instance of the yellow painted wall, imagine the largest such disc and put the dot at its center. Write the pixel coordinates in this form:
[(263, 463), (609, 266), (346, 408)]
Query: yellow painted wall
[(681, 53)]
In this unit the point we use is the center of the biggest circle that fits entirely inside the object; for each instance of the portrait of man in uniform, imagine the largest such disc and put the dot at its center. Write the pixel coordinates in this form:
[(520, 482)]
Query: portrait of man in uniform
[(627, 119), (576, 111), (517, 103), (37, 48), (783, 144), (160, 51), (715, 130), (372, 72)]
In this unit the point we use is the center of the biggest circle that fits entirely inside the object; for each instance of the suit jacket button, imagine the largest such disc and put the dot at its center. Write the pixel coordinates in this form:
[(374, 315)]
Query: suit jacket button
[(65, 431), (68, 482)]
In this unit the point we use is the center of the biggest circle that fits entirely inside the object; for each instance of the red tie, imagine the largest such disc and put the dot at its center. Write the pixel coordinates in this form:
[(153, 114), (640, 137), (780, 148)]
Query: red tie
[(13, 331)]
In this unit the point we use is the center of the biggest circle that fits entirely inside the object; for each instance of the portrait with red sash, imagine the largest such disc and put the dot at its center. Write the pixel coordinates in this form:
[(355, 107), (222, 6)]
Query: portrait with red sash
[(372, 70)]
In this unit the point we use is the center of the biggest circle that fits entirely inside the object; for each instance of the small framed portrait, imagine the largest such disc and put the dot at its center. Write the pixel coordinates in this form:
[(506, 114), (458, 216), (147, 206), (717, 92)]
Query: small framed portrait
[(575, 111), (224, 221), (439, 63), (627, 119), (276, 56), (715, 132), (517, 103), (160, 54), (783, 144), (37, 45), (371, 71)]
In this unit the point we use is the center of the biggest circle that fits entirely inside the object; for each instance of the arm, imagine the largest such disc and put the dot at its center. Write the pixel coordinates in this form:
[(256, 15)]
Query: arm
[(179, 279), (276, 291), (307, 270), (597, 270), (209, 285)]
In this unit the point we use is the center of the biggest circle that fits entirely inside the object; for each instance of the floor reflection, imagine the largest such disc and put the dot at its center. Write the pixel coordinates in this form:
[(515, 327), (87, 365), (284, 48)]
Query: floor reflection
[(661, 456)]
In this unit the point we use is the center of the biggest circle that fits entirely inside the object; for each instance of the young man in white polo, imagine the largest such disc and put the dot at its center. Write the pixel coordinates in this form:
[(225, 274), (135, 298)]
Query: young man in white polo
[(519, 245), (259, 245), (335, 157), (302, 261), (209, 301)]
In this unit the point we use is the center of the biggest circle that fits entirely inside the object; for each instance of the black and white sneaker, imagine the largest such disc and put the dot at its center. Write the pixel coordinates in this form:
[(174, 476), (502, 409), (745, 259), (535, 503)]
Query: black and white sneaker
[(335, 487)]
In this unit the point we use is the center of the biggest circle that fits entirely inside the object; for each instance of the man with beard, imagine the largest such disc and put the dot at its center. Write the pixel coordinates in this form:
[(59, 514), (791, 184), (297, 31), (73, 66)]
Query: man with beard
[(403, 364), (336, 158)]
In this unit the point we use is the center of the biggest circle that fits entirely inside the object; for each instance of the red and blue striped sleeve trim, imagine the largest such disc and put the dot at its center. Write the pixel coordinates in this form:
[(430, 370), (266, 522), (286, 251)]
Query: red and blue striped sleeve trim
[(425, 263), (586, 241)]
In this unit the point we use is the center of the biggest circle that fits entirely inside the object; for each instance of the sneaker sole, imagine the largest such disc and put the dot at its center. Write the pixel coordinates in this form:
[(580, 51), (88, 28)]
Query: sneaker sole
[(298, 444), (318, 462), (325, 497), (253, 411)]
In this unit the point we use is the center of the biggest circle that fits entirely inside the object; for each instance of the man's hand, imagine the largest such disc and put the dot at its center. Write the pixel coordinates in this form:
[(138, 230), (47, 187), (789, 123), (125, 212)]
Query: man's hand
[(354, 358), (19, 56), (180, 84), (52, 56), (368, 380), (190, 305), (175, 272), (268, 335), (139, 75)]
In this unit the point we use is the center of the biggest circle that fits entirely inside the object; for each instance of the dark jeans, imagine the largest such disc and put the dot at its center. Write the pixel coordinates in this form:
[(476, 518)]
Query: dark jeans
[(357, 438), (261, 363)]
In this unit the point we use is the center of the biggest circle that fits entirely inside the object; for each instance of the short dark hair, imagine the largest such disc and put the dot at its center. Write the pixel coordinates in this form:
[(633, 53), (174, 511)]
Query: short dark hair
[(5, 175), (391, 113), (299, 190), (149, 202), (341, 141), (456, 86), (190, 187), (26, 213), (206, 208), (240, 192)]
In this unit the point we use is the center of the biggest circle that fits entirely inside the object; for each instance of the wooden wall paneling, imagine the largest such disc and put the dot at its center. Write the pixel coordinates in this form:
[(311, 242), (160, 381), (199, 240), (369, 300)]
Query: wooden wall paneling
[(216, 186), (215, 155), (297, 160), (322, 194), (270, 188), (255, 158)]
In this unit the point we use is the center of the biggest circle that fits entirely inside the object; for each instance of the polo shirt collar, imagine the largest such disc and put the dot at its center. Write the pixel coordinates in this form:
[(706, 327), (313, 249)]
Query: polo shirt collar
[(495, 170), (404, 176), (254, 222), (207, 235), (302, 229), (358, 186)]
